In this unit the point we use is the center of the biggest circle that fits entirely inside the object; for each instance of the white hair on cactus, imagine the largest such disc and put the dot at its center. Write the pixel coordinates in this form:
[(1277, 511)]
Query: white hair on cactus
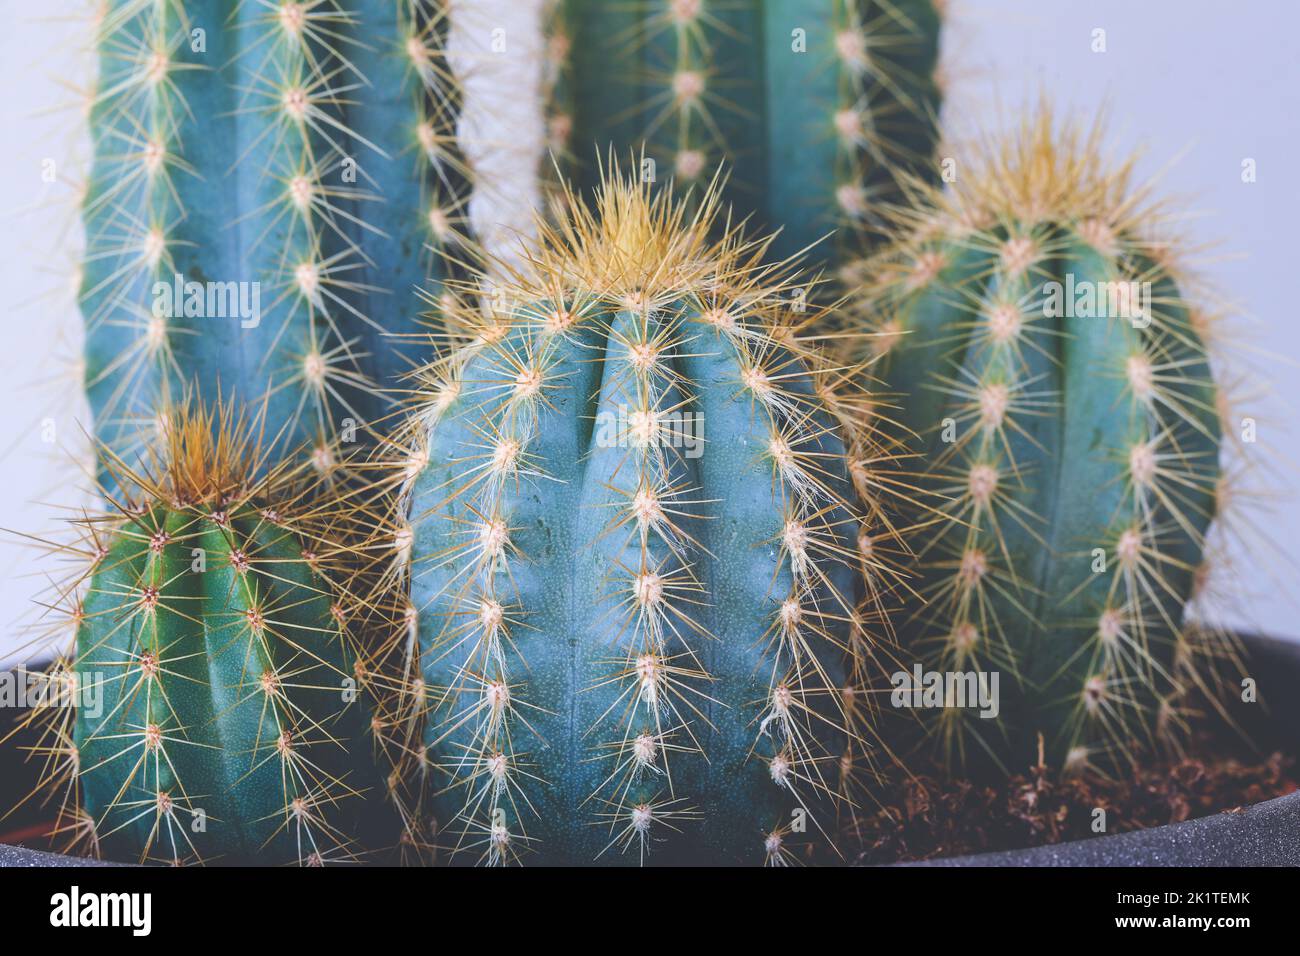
[(496, 49)]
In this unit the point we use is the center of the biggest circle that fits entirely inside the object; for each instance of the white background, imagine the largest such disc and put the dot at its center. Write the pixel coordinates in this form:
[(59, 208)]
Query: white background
[(1201, 83)]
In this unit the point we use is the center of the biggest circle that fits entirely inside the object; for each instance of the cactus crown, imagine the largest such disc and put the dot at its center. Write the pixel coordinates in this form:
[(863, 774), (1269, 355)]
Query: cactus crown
[(205, 457), (1045, 171), (616, 638), (631, 239)]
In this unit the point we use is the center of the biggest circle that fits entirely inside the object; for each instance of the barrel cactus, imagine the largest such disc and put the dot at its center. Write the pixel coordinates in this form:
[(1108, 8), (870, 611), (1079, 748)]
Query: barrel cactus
[(218, 707), (643, 585), (815, 106), (1056, 372), (269, 188)]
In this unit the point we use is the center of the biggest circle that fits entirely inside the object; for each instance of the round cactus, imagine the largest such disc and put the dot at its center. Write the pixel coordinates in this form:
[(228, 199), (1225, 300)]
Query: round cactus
[(639, 614), (218, 704), (1058, 380)]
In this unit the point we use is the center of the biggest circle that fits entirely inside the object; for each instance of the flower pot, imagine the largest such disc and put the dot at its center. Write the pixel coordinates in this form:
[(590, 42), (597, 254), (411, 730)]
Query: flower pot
[(1265, 834)]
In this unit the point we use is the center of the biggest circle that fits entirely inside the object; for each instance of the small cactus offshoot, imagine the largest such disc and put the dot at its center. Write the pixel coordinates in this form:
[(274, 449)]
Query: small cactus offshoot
[(217, 708)]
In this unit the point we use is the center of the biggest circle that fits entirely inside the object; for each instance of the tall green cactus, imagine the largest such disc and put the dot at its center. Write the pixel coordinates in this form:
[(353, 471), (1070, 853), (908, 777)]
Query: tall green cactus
[(1068, 421), (219, 711), (816, 106), (294, 162), (637, 640)]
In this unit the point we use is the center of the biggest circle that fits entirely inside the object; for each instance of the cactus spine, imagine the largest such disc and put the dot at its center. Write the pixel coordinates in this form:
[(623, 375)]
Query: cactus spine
[(816, 106), (1074, 445), (293, 164), (628, 650), (218, 708)]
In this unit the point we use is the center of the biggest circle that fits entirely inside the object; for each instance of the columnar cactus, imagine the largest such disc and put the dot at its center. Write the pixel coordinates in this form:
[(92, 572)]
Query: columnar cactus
[(636, 557), (269, 185), (816, 106), (219, 714), (1056, 373)]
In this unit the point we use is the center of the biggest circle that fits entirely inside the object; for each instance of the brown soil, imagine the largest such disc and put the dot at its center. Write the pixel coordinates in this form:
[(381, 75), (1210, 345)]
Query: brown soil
[(923, 818)]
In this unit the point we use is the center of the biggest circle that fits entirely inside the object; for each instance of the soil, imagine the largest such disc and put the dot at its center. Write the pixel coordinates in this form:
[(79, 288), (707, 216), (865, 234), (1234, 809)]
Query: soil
[(921, 817)]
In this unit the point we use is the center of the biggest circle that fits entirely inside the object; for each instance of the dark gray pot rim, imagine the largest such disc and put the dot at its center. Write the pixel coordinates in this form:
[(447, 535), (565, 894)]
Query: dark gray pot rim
[(1265, 834)]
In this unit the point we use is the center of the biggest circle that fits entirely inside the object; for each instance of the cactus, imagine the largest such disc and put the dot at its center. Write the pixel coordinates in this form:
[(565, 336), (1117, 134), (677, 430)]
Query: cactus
[(218, 709), (815, 106), (306, 169), (295, 162), (1075, 452), (627, 644)]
